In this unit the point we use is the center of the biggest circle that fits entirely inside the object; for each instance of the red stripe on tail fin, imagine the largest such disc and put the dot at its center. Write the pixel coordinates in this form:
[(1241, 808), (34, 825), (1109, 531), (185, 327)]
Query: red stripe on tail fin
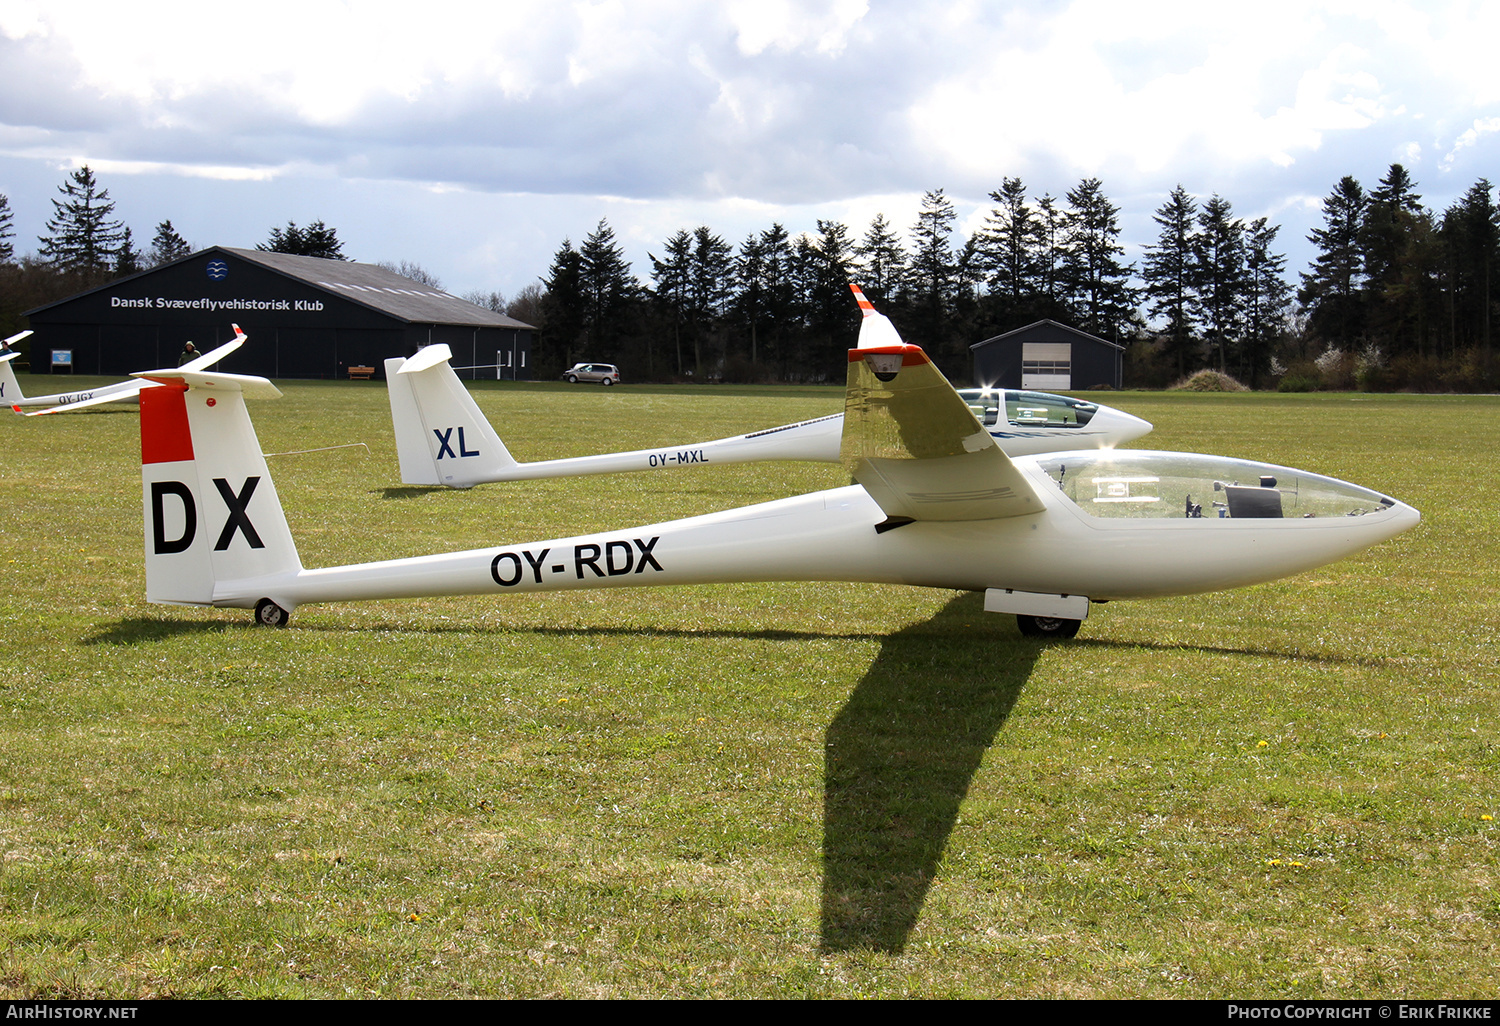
[(165, 435)]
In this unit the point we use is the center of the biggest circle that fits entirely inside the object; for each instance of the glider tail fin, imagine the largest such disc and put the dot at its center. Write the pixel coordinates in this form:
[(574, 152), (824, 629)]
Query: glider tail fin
[(442, 437), (10, 388), (213, 521)]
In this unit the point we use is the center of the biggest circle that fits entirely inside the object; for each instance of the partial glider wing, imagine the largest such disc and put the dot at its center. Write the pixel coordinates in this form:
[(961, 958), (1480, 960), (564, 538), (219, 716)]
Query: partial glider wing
[(213, 356), (125, 390), (917, 448)]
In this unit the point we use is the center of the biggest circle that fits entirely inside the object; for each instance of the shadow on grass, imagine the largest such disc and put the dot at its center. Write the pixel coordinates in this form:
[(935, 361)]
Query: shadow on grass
[(976, 627), (899, 759), (408, 491), (144, 629)]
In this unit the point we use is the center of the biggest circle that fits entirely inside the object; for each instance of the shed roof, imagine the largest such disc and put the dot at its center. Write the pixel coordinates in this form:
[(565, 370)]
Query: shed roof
[(1049, 325)]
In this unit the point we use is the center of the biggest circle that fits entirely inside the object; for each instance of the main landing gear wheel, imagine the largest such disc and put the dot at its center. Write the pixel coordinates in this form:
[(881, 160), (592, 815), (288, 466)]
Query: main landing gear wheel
[(1047, 626), (269, 614)]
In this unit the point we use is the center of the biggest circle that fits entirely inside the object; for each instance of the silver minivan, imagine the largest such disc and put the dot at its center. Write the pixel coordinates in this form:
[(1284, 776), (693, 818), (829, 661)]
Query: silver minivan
[(603, 373)]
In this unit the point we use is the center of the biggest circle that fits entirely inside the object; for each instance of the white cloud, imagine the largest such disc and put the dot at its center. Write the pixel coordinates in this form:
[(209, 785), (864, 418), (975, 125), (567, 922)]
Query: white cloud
[(1482, 126), (748, 110), (787, 25)]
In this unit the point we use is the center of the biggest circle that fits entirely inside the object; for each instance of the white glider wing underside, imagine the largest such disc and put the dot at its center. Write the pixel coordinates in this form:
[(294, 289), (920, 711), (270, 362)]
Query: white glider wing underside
[(67, 403), (916, 447)]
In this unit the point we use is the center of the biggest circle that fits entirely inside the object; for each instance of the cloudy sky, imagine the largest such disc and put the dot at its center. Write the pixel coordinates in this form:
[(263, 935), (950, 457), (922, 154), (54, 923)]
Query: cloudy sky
[(471, 139)]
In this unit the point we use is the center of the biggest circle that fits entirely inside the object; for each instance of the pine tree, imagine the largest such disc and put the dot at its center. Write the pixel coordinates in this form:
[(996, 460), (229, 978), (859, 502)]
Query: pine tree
[(127, 257), (607, 288), (673, 277), (1008, 246), (1267, 296), (1471, 230), (1400, 261), (778, 293), (1221, 276), (167, 245), (930, 278), (748, 303), (1095, 280), (1170, 273), (81, 236), (1050, 225), (316, 240), (1383, 232), (1330, 290), (709, 288), (881, 260), (563, 309), (7, 231)]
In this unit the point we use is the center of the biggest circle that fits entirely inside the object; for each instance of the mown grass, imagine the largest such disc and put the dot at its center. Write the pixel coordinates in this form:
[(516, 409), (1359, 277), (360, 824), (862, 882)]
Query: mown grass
[(753, 790)]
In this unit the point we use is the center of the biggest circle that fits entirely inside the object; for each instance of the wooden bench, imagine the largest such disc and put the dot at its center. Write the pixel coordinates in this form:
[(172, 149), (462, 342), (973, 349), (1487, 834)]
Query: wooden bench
[(361, 373)]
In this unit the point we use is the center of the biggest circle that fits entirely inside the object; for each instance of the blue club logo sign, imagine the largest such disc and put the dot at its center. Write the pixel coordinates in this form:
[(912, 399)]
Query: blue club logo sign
[(218, 270)]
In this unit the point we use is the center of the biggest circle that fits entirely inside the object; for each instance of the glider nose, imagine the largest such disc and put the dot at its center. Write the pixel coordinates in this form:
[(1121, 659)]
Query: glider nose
[(1406, 518), (1133, 427), (1122, 427)]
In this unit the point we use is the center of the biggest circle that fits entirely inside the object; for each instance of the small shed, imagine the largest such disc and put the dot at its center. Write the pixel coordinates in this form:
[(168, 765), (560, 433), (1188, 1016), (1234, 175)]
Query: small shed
[(1048, 357)]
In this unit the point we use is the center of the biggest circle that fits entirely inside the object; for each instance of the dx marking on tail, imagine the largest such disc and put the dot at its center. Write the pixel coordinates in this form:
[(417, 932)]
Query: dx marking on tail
[(237, 522)]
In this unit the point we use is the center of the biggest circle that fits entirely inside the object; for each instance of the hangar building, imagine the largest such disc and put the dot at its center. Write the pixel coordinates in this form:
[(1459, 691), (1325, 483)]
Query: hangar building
[(306, 318), (1048, 357)]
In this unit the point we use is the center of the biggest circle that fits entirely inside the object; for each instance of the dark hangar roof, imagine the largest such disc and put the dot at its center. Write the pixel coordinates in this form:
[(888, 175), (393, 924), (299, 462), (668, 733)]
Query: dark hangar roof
[(367, 285), (379, 289)]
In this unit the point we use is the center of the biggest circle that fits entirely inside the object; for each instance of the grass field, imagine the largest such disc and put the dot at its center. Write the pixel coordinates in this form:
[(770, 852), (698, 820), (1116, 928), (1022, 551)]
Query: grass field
[(770, 790)]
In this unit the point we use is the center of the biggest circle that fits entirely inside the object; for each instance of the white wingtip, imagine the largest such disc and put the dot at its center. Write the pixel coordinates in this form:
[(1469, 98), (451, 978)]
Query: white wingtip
[(875, 329)]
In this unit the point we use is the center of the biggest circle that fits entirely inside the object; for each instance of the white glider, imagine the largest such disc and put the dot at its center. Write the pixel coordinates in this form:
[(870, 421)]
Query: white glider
[(69, 402), (442, 438), (937, 504)]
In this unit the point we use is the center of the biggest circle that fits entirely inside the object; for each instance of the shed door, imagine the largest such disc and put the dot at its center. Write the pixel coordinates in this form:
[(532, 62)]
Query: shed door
[(1047, 366)]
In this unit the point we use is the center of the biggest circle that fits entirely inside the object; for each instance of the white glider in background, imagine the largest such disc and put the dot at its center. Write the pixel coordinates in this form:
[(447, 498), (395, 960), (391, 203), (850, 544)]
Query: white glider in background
[(68, 402), (937, 503), (442, 438)]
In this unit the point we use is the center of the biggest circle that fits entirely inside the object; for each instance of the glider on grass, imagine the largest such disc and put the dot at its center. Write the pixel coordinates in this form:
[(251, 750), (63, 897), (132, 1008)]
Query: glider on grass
[(936, 503), (68, 402), (442, 438)]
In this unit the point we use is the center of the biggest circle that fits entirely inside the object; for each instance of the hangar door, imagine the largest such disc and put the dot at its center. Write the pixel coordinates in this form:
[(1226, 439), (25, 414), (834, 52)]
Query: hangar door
[(1047, 366)]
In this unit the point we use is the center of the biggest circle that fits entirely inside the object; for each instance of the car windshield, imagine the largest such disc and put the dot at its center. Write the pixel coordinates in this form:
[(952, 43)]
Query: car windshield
[(1115, 484)]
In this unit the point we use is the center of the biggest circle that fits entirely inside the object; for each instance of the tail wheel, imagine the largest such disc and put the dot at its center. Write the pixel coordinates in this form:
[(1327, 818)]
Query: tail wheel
[(1047, 626), (269, 614)]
